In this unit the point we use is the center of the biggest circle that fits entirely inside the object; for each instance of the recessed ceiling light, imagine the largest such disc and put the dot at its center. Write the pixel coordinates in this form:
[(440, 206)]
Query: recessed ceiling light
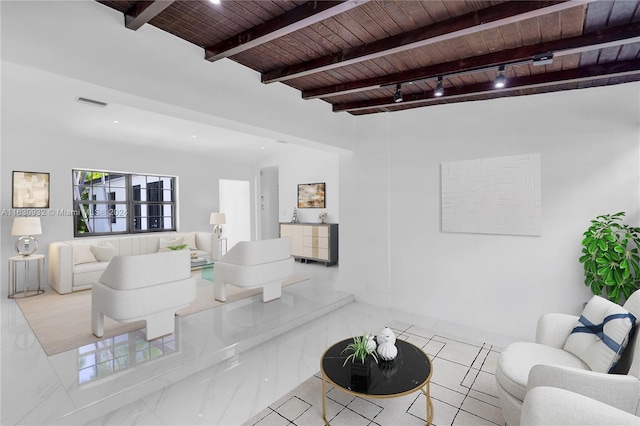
[(194, 136), (116, 121), (263, 148), (215, 1)]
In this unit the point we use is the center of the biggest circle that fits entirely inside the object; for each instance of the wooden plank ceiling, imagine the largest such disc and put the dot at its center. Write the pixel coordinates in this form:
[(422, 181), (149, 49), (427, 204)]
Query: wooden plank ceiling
[(362, 56)]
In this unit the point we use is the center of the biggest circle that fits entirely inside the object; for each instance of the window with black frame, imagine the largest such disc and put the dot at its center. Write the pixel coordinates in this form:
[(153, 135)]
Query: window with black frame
[(119, 203)]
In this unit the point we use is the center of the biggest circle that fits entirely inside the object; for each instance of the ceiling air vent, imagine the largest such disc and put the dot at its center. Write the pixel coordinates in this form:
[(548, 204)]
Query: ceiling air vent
[(91, 102)]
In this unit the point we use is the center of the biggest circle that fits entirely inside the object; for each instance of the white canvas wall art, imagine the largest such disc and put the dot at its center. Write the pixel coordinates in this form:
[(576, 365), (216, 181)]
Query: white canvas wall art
[(500, 195)]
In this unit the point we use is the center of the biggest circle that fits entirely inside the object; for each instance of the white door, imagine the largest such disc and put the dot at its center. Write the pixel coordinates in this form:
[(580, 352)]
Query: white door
[(235, 203), (269, 203)]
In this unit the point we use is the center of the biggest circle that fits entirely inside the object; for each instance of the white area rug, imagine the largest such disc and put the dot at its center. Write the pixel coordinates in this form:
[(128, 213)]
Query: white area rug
[(463, 391), (63, 322)]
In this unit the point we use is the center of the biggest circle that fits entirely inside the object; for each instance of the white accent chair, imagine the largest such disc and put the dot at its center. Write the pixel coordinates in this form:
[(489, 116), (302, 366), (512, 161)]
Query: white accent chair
[(249, 264), (150, 287), (526, 365), (544, 406)]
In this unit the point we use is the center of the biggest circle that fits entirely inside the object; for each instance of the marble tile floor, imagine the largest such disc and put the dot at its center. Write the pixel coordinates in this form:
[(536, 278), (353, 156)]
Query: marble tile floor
[(239, 384)]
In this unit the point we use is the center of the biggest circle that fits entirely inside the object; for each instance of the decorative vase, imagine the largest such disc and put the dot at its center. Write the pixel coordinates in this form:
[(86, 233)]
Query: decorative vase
[(371, 343), (387, 351), (386, 335)]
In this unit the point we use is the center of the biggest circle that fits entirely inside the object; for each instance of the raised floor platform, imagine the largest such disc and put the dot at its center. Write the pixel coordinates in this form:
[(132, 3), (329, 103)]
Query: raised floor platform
[(94, 380)]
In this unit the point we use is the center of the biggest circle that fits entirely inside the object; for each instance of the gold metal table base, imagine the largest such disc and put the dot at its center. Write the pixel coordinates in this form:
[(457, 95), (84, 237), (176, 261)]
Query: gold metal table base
[(425, 391)]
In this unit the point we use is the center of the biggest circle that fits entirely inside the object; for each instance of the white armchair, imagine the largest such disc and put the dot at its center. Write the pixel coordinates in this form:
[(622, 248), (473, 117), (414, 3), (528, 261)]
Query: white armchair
[(150, 287), (526, 365), (545, 406), (249, 264)]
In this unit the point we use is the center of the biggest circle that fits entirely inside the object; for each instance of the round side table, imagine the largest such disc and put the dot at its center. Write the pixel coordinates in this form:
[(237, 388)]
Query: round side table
[(26, 264)]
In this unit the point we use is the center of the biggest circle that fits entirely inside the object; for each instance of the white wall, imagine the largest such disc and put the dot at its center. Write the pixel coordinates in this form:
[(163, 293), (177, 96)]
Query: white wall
[(392, 250)]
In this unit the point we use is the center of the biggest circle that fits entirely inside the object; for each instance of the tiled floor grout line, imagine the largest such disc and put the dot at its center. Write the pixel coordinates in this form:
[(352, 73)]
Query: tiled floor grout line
[(472, 383), (463, 386)]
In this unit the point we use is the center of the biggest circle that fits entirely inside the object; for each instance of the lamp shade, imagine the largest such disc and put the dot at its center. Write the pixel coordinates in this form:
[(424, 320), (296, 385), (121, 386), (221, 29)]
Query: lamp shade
[(217, 219), (26, 226)]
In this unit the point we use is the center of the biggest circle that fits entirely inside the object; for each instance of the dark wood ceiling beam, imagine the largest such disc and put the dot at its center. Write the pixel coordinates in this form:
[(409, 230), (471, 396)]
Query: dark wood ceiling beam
[(293, 20), (608, 70), (460, 26), (607, 37), (143, 12)]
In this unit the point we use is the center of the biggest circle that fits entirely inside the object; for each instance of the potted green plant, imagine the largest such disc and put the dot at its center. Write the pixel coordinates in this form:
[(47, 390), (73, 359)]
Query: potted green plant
[(360, 348), (610, 257)]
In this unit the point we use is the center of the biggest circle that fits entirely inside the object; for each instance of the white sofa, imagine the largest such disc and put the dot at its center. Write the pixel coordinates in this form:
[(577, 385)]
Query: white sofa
[(76, 264), (150, 287), (249, 264)]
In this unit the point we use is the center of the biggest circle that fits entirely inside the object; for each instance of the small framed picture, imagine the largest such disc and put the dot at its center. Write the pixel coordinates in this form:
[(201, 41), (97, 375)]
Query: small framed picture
[(311, 195), (30, 190)]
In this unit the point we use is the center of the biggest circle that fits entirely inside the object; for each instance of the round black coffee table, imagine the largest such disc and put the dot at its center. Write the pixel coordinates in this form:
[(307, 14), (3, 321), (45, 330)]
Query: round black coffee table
[(409, 372)]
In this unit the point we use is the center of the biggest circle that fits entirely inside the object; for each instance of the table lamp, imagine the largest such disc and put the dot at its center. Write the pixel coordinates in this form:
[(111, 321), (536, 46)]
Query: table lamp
[(26, 227), (217, 219)]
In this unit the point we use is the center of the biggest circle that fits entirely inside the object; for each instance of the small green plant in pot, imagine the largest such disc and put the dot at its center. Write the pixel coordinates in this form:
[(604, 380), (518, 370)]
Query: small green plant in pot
[(360, 348), (610, 257)]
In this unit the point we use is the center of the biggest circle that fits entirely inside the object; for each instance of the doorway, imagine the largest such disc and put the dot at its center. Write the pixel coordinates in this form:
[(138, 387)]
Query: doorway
[(235, 203), (269, 203)]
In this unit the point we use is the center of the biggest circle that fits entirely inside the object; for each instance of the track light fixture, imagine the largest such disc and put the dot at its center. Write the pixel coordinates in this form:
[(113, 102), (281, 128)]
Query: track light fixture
[(397, 97), (439, 90), (500, 80)]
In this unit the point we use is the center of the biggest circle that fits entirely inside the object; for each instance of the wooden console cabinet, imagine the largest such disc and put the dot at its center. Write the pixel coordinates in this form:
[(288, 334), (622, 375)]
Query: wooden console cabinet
[(311, 241)]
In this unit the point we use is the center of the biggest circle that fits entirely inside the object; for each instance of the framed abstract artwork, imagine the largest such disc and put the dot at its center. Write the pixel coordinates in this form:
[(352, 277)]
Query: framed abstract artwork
[(30, 190), (311, 196)]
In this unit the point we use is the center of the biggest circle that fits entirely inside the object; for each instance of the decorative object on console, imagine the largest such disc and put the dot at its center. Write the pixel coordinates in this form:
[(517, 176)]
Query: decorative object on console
[(322, 217), (30, 190), (26, 227), (295, 219), (217, 219), (610, 257), (311, 195)]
